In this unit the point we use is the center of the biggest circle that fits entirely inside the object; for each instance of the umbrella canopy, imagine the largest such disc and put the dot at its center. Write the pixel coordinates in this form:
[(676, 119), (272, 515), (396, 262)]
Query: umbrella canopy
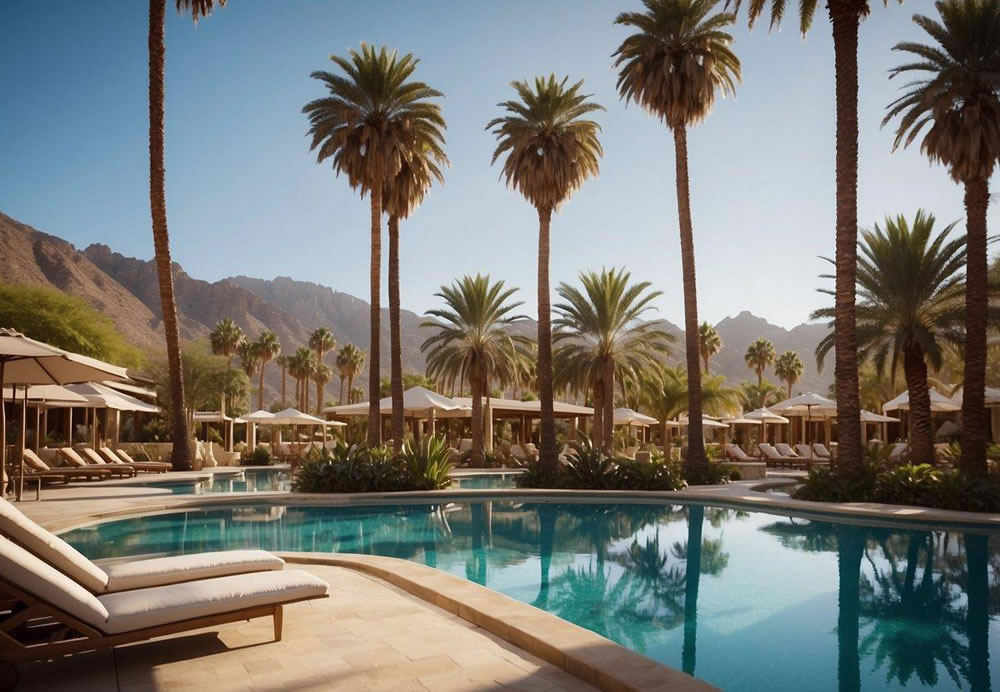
[(26, 361), (50, 395), (762, 415), (416, 401), (939, 403), (627, 416), (870, 417), (102, 396), (992, 396), (210, 417), (809, 402), (708, 423), (291, 416), (260, 416)]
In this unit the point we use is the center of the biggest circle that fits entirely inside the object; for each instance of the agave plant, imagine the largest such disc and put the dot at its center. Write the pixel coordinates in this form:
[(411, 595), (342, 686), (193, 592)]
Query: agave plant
[(588, 468), (429, 463)]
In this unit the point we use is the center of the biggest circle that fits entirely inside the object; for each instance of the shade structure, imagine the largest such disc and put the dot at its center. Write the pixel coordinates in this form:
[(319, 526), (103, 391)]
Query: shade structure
[(211, 417), (418, 402), (992, 396), (939, 403), (50, 395), (812, 404), (132, 389), (103, 396), (870, 417), (260, 416), (627, 416), (514, 407), (708, 423), (762, 415), (291, 416)]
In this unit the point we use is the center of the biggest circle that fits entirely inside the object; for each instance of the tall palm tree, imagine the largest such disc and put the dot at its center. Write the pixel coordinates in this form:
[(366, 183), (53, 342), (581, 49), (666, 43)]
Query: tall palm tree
[(673, 66), (402, 194), (249, 358), (845, 19), (665, 394), (754, 396), (350, 363), (789, 368), (473, 341), (600, 328), (225, 339), (957, 99), (180, 455), (551, 148), (759, 355), (911, 285), (322, 374), (301, 366), (268, 347), (367, 125), (322, 342), (282, 362), (709, 343)]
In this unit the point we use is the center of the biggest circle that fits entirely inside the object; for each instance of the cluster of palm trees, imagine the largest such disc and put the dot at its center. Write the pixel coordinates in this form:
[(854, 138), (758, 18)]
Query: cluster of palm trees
[(384, 132)]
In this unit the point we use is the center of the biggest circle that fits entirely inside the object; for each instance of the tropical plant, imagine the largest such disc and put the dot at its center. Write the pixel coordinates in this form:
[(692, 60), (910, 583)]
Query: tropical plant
[(665, 395), (180, 455), (473, 341), (845, 19), (789, 368), (350, 363), (910, 284), (225, 339), (428, 462), (587, 467), (753, 396), (598, 334), (672, 66), (351, 469), (301, 366), (249, 360), (282, 362), (322, 342), (403, 193), (373, 119), (759, 355), (551, 147), (205, 379), (267, 347), (957, 99), (709, 343), (321, 374)]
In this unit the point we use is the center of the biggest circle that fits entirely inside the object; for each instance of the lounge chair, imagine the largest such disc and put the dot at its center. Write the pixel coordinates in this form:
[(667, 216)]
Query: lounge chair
[(72, 459), (773, 458), (125, 576), (35, 467), (95, 459), (148, 466), (45, 614), (736, 454), (786, 451), (821, 451), (898, 453), (805, 451)]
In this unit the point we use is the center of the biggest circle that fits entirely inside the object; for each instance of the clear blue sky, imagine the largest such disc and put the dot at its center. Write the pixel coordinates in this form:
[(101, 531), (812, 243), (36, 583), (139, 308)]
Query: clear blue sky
[(245, 195)]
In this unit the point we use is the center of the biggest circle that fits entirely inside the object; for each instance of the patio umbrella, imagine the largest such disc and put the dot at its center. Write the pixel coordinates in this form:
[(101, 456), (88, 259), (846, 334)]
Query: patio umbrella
[(939, 403), (103, 396), (807, 402), (24, 361), (629, 417), (763, 416)]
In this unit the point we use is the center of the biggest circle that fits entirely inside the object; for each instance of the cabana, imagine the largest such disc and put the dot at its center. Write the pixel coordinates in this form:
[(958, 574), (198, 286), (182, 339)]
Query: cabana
[(811, 407), (294, 418), (764, 416), (526, 413), (629, 417), (115, 402)]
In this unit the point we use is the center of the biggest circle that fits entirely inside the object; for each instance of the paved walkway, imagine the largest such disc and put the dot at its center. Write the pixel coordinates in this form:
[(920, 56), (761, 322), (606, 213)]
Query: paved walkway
[(369, 635)]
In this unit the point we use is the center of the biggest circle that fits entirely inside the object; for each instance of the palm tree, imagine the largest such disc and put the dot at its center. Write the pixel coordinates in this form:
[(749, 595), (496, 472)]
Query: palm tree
[(673, 66), (249, 358), (402, 194), (354, 394), (551, 148), (322, 342), (473, 341), (664, 392), (367, 125), (180, 455), (754, 396), (301, 366), (350, 363), (709, 343), (321, 375), (958, 100), (759, 355), (845, 19), (599, 328), (225, 339), (282, 362), (268, 347), (910, 284), (789, 368)]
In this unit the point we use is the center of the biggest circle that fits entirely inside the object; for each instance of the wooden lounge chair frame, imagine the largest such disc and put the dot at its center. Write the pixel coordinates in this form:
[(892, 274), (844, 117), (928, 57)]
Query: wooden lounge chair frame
[(32, 629), (114, 470), (144, 466)]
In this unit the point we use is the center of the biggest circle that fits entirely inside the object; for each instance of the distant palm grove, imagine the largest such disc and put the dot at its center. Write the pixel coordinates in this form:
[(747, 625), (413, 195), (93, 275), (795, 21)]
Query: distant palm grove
[(908, 295)]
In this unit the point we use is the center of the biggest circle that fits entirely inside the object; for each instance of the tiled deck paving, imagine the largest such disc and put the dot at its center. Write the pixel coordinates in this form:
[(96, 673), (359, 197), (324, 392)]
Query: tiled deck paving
[(368, 635)]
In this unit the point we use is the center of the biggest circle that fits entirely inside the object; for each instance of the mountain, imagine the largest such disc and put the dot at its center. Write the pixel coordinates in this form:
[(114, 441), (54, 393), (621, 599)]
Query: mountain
[(126, 290)]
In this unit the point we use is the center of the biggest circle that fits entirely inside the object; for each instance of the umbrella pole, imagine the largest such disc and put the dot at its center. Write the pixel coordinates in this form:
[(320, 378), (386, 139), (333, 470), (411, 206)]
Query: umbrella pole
[(20, 442), (3, 433)]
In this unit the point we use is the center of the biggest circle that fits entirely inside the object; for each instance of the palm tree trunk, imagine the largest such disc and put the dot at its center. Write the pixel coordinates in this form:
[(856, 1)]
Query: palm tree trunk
[(180, 455), (547, 459), (395, 348), (305, 395), (692, 580), (375, 288), (319, 397), (789, 389), (477, 419), (973, 437), (921, 436), (225, 392), (978, 611), (350, 386), (760, 378), (340, 399), (260, 390), (850, 550), (845, 17), (597, 431), (696, 460), (284, 372), (609, 406)]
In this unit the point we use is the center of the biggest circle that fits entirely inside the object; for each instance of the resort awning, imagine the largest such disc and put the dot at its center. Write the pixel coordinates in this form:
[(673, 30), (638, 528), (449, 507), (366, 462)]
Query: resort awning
[(210, 417), (102, 396), (260, 416), (291, 416), (133, 389), (627, 416), (418, 402), (992, 396), (870, 417), (939, 403), (512, 408), (708, 423), (806, 404), (50, 396)]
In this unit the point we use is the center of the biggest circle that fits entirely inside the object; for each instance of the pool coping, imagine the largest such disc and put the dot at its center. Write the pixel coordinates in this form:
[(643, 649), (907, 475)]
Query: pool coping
[(579, 651)]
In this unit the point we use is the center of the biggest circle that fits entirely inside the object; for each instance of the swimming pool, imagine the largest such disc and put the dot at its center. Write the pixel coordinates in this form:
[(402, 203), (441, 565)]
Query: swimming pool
[(777, 603), (486, 481)]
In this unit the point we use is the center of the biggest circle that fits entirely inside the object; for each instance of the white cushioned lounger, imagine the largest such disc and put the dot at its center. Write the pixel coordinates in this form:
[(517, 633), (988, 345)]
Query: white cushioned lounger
[(138, 574)]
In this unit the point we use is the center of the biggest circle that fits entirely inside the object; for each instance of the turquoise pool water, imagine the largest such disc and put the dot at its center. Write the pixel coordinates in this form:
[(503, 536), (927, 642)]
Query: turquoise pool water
[(744, 600), (485, 481)]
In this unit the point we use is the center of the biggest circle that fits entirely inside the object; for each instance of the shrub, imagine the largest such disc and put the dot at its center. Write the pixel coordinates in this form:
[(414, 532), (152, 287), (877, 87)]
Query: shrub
[(535, 477), (428, 463), (587, 468), (258, 457), (909, 484), (715, 473), (655, 475), (351, 469)]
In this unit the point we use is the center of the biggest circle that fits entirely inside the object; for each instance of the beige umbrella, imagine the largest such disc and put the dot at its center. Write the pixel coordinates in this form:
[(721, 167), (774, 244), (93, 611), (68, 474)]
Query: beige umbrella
[(763, 416), (808, 402)]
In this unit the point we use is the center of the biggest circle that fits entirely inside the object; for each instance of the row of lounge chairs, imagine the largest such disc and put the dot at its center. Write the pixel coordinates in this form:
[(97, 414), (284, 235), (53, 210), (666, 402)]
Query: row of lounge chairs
[(86, 464), (54, 601), (780, 454)]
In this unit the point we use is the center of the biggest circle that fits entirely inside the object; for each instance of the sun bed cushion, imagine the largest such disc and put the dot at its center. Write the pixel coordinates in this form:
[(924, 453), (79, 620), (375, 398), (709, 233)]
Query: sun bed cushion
[(735, 452), (30, 574), (821, 449), (109, 455), (805, 450), (71, 456), (33, 461), (786, 451), (93, 457), (50, 548), (134, 610), (124, 456), (158, 571)]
